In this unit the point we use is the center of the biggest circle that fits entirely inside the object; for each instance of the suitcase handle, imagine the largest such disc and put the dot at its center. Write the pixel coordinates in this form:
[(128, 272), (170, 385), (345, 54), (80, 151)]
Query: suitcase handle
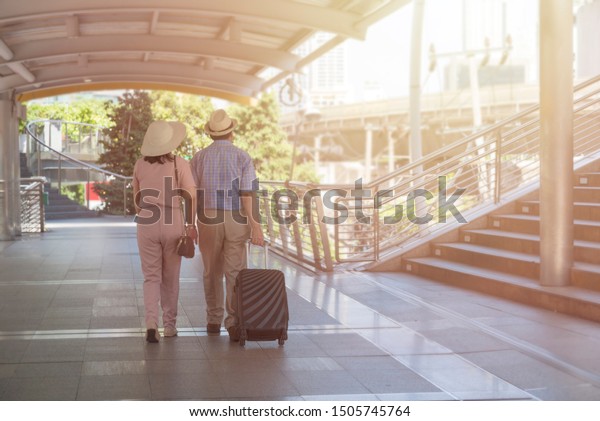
[(266, 252)]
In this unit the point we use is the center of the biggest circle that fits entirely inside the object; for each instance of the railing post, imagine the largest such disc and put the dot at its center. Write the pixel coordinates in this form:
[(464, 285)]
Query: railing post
[(297, 238), (314, 242), (39, 160), (59, 172), (270, 228), (324, 235), (376, 227), (88, 189), (124, 198), (42, 206), (498, 170)]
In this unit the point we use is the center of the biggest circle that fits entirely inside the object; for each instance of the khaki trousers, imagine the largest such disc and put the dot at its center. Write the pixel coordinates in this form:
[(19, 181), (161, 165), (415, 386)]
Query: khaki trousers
[(223, 249)]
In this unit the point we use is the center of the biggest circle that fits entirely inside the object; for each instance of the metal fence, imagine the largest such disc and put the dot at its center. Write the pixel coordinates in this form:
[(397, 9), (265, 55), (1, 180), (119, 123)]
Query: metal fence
[(32, 204), (425, 198)]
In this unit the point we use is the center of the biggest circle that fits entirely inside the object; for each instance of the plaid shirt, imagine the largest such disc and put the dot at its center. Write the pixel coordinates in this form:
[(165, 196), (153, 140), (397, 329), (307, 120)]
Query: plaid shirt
[(221, 171)]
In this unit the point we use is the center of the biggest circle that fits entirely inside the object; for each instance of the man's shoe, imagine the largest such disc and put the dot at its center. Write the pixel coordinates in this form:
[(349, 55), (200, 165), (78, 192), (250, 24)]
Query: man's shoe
[(234, 334), (152, 335), (213, 328), (170, 331)]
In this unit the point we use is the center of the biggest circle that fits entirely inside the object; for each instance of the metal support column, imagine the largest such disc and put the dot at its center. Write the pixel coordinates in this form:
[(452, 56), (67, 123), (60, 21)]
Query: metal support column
[(368, 153), (6, 233), (391, 150), (556, 151), (416, 149)]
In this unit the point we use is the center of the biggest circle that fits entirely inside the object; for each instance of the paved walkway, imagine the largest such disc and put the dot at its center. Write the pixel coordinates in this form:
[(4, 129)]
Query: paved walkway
[(71, 328)]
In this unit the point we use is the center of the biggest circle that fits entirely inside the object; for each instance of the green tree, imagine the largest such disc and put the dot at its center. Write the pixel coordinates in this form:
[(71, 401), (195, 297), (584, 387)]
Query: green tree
[(259, 133), (131, 117), (88, 111), (192, 110)]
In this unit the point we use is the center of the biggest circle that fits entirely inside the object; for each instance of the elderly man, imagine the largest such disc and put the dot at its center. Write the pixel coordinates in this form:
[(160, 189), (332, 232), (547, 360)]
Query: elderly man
[(226, 181)]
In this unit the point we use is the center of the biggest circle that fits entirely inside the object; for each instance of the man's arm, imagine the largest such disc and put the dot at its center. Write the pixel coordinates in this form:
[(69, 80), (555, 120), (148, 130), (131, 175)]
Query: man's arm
[(256, 234)]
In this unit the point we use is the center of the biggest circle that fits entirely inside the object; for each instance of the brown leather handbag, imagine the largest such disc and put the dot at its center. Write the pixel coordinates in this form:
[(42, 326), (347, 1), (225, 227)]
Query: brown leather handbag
[(185, 244)]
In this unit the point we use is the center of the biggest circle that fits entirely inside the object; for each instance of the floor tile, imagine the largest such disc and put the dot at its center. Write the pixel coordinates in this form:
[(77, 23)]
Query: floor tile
[(33, 370), (114, 388), (325, 382), (55, 350), (185, 386), (41, 389), (392, 381), (256, 384)]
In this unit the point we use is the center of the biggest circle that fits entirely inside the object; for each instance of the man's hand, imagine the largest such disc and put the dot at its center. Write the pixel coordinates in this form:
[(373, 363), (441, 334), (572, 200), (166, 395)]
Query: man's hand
[(256, 236)]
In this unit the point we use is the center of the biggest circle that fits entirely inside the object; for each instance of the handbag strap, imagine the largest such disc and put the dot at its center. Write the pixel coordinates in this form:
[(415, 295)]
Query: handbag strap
[(181, 200)]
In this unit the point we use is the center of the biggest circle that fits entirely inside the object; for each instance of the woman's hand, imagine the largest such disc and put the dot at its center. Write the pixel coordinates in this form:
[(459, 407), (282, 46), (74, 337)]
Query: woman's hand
[(190, 230)]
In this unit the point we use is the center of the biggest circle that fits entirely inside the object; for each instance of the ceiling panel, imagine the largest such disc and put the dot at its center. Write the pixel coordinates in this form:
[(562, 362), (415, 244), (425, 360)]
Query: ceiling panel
[(238, 38)]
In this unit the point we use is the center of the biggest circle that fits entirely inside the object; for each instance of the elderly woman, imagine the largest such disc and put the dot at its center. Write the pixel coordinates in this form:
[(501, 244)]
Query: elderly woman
[(157, 177)]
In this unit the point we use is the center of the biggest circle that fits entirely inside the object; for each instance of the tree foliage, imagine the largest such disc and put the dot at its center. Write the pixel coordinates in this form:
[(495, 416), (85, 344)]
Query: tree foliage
[(131, 117), (261, 136), (89, 111), (193, 111)]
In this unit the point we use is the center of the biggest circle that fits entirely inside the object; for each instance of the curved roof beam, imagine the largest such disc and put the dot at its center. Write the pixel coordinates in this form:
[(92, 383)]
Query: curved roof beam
[(290, 13), (136, 78), (148, 85), (56, 47), (190, 75)]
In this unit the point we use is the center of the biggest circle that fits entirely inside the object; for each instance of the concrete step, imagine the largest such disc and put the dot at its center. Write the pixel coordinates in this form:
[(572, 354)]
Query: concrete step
[(588, 179), (530, 224), (581, 210), (521, 264), (586, 275), (68, 207), (61, 207), (584, 251), (572, 300), (586, 194), (71, 215)]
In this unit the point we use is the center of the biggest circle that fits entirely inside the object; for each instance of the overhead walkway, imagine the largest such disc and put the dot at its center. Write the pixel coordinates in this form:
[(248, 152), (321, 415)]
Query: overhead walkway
[(71, 315)]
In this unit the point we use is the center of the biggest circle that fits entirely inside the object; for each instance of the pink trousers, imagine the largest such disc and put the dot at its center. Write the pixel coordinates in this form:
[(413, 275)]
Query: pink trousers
[(161, 265)]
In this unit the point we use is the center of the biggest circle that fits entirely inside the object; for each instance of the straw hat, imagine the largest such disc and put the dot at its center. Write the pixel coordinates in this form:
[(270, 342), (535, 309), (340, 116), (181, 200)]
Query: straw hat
[(219, 124), (162, 137)]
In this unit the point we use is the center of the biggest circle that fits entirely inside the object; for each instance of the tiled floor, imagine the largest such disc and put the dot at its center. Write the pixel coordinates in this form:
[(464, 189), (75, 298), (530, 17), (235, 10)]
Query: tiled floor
[(71, 328)]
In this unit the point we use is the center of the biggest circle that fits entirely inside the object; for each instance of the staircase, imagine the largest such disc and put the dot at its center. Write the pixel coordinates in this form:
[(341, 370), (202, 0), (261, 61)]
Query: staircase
[(61, 207), (502, 257)]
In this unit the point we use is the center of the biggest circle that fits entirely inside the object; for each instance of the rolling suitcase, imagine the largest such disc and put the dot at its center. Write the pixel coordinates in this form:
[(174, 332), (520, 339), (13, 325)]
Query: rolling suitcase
[(261, 304)]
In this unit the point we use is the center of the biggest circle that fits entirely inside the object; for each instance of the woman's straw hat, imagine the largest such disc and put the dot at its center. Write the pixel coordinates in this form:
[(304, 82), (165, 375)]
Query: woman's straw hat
[(162, 137)]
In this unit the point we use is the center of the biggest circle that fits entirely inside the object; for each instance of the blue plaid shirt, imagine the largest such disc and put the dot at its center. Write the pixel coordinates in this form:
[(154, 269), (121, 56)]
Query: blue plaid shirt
[(221, 171)]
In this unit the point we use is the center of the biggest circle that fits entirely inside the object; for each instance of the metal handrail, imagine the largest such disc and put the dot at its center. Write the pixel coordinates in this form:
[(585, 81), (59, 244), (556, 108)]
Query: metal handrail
[(491, 164), (89, 167)]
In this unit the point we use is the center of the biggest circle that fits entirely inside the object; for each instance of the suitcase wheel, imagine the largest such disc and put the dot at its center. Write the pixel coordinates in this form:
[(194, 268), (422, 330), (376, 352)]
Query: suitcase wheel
[(281, 341), (242, 341)]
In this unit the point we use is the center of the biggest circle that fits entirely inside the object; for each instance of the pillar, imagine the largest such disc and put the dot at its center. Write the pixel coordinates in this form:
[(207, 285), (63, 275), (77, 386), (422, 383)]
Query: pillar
[(6, 231), (368, 154), (416, 149), (391, 151), (556, 149)]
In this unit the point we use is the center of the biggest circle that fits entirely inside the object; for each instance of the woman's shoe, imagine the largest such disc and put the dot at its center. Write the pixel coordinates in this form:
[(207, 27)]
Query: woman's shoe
[(170, 331), (152, 335)]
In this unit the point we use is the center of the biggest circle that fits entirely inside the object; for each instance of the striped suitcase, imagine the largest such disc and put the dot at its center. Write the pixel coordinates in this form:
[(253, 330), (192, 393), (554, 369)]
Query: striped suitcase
[(262, 304)]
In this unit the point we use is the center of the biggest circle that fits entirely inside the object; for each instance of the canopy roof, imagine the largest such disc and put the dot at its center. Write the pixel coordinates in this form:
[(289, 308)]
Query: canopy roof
[(232, 49)]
